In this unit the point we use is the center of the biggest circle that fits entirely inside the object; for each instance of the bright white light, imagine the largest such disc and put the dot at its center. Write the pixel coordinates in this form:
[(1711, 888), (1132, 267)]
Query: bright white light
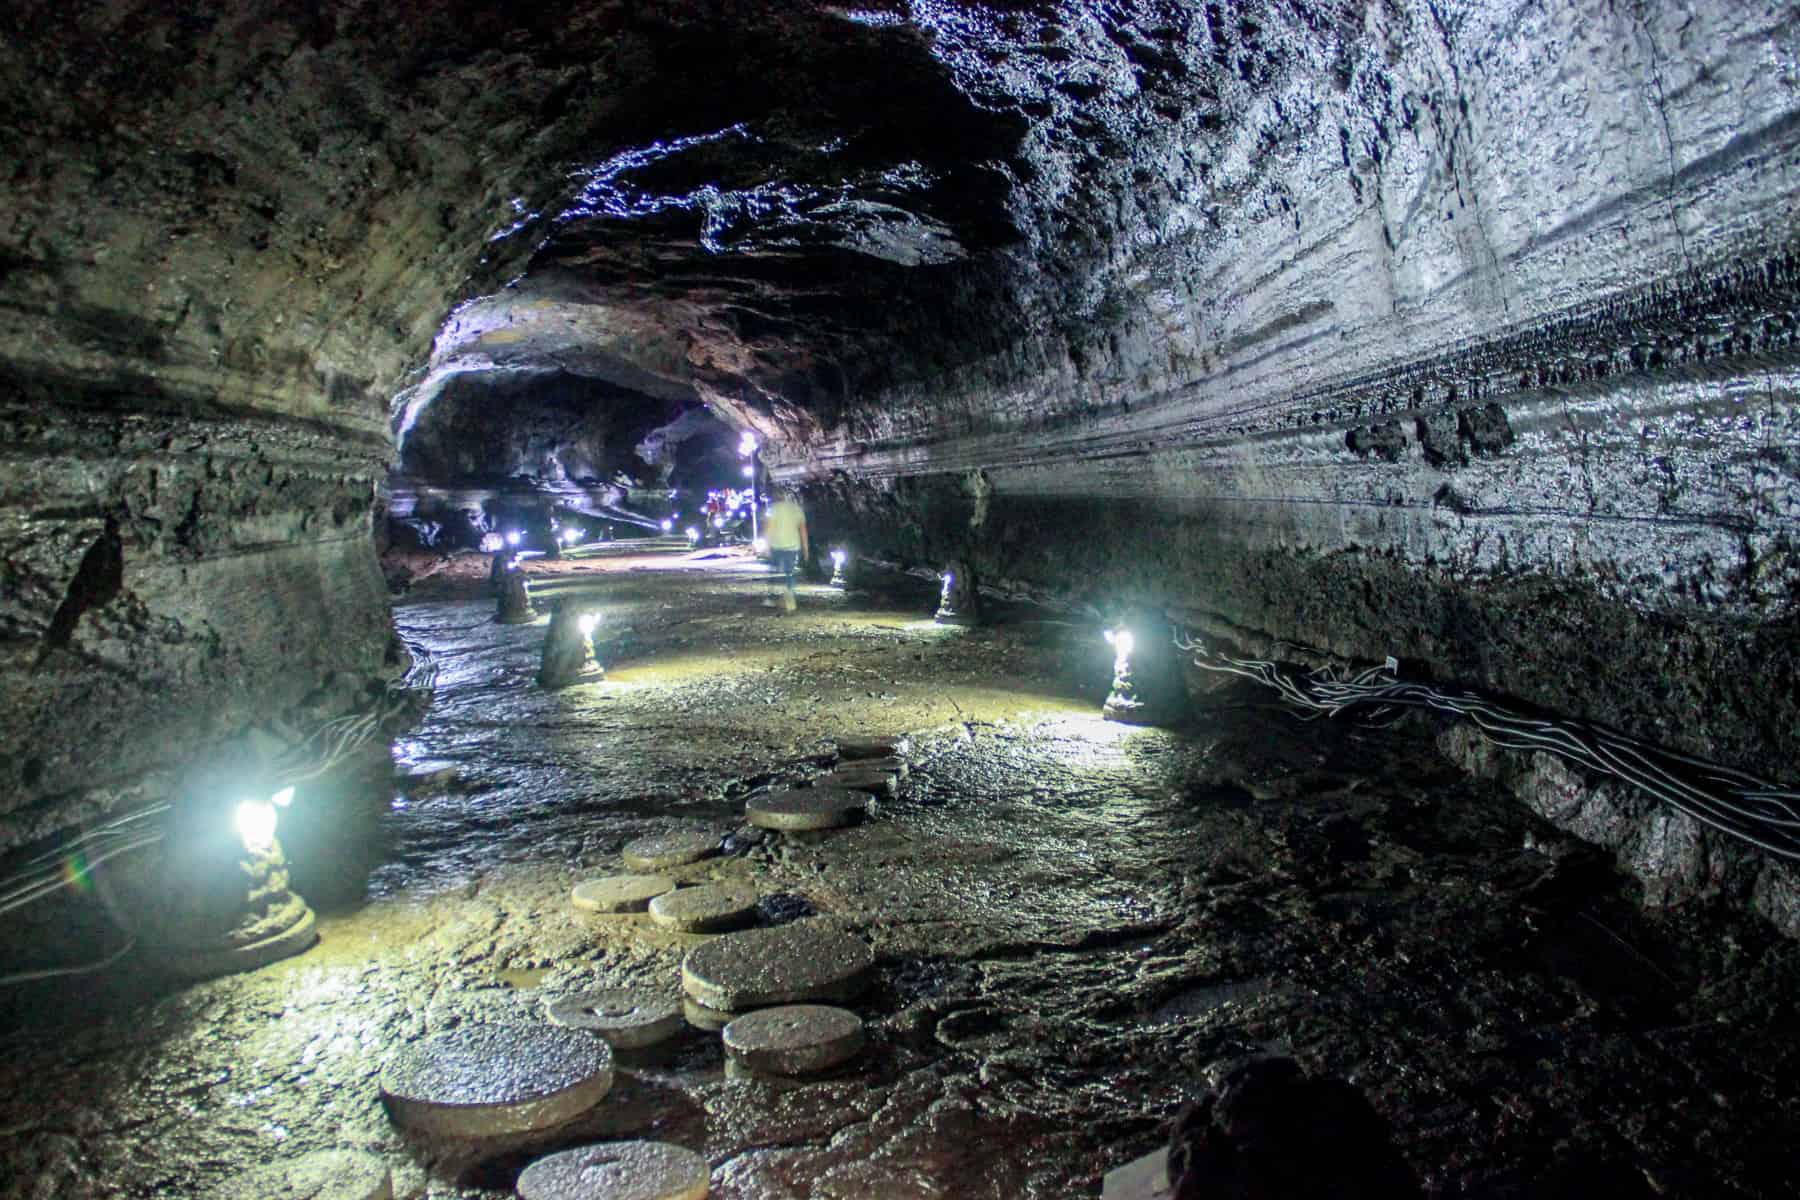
[(283, 798), (693, 534), (668, 525), (749, 471), (586, 623), (1109, 635), (256, 825), (838, 557), (747, 444), (718, 522), (760, 545), (1124, 643), (512, 538), (571, 536)]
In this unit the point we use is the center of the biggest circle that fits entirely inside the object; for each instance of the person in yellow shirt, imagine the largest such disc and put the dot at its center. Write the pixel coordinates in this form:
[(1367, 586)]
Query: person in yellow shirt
[(785, 529)]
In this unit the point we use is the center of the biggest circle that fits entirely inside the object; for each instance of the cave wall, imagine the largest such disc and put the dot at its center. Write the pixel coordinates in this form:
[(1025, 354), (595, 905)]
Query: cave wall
[(228, 233), (1462, 333)]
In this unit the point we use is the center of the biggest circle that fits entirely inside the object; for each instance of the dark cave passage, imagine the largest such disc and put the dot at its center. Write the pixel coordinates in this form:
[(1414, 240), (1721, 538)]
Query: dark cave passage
[(402, 413)]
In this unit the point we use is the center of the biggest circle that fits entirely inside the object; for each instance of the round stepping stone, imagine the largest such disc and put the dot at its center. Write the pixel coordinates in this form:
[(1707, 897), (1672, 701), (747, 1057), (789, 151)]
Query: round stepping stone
[(488, 1080), (807, 808), (618, 1171), (805, 960), (855, 779), (620, 893), (628, 1018), (321, 1175), (893, 766), (712, 1020), (795, 1039), (705, 909), (878, 746), (660, 851)]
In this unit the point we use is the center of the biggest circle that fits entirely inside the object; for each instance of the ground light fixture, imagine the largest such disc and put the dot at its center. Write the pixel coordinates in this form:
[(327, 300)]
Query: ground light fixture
[(255, 822), (512, 538), (569, 648), (224, 904), (693, 535), (668, 526), (760, 546), (1147, 686), (959, 603), (571, 536), (838, 559)]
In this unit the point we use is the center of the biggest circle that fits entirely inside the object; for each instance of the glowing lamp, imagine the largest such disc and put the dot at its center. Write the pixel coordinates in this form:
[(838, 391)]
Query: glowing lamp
[(760, 545), (283, 798), (667, 526), (512, 538), (749, 471), (255, 820), (571, 536), (838, 559), (587, 622), (693, 535), (1150, 692)]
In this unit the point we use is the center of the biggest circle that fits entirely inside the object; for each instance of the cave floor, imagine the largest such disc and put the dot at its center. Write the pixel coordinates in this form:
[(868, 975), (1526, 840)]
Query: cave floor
[(1075, 924)]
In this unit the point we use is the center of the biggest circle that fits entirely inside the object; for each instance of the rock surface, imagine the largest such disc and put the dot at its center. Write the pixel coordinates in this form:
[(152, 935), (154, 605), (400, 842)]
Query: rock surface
[(492, 1080), (677, 848), (822, 807), (620, 893), (705, 909), (795, 1039), (628, 1018), (618, 1171), (807, 960)]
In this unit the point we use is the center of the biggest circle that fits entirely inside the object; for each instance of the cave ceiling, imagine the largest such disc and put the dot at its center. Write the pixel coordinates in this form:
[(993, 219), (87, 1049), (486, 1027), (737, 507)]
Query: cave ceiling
[(796, 205)]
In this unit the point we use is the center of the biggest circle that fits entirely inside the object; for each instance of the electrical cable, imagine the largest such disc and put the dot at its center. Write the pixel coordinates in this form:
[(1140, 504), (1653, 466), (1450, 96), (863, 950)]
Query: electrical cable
[(18, 977), (1734, 802)]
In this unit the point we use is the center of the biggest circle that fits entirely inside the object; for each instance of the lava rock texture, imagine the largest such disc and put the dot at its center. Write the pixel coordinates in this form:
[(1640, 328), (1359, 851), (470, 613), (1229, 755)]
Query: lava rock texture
[(1457, 331)]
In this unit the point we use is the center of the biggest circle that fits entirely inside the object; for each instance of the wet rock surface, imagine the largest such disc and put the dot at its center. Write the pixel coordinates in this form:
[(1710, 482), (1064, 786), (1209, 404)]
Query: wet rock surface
[(794, 1039), (628, 1018), (705, 909), (488, 1080), (620, 893), (1076, 929), (618, 1171)]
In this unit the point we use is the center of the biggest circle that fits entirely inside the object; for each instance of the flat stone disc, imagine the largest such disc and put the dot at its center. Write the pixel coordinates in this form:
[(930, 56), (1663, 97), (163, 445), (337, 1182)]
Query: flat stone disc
[(807, 808), (618, 1171), (855, 779), (893, 766), (805, 960), (628, 1018), (321, 1175), (620, 893), (879, 746), (660, 851), (705, 909), (712, 1020), (795, 1039), (487, 1080)]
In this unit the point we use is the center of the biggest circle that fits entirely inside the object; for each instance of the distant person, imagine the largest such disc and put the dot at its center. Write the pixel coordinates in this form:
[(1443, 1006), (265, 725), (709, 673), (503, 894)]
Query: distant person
[(785, 529)]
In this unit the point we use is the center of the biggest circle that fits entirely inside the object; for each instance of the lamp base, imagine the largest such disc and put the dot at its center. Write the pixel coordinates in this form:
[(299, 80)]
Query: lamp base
[(206, 962)]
